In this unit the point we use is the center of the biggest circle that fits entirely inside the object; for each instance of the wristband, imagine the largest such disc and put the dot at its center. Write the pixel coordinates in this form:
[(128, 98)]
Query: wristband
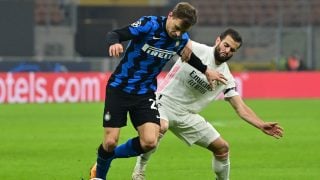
[(196, 63)]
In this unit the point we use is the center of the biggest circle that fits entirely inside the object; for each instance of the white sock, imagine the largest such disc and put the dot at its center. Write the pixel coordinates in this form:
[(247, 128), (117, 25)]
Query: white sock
[(143, 159), (221, 168)]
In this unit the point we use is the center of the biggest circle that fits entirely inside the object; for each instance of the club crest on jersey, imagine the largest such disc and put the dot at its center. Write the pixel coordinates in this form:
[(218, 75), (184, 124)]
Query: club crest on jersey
[(177, 43), (107, 116), (157, 52), (136, 24)]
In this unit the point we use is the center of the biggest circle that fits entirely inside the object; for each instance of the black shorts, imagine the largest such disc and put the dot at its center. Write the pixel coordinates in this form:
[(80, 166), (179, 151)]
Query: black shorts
[(141, 108)]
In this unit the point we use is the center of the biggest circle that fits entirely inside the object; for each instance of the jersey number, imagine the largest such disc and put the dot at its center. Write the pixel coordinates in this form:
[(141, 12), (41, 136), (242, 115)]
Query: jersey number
[(153, 104)]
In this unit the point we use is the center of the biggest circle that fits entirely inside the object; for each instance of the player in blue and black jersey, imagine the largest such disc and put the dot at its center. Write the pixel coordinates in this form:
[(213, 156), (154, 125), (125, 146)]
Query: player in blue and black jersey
[(153, 42)]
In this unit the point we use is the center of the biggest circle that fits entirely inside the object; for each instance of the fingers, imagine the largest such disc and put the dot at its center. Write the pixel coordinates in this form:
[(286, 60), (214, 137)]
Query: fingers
[(276, 136), (115, 50), (214, 78), (279, 127), (276, 125), (275, 130), (278, 133), (212, 84), (222, 79), (185, 54)]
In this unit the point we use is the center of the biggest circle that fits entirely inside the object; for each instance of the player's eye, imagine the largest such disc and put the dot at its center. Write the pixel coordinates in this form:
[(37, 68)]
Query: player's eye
[(231, 49), (177, 28)]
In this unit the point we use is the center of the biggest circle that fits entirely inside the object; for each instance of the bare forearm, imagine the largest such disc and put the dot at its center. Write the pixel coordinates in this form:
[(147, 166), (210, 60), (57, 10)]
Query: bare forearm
[(249, 116)]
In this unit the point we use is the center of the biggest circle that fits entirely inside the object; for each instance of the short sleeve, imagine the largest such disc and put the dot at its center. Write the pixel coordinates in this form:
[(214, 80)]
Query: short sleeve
[(143, 25), (231, 89), (183, 42)]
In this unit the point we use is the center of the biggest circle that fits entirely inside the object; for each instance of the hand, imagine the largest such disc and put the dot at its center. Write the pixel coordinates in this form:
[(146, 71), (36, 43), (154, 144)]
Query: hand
[(272, 129), (213, 76), (186, 54), (115, 50)]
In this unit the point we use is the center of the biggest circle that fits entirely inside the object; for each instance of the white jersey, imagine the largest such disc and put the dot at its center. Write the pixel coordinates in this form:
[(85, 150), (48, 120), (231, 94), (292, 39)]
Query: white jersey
[(188, 88)]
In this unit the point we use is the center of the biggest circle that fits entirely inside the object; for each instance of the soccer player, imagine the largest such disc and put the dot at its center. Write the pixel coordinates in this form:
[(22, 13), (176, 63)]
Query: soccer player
[(185, 92), (131, 87)]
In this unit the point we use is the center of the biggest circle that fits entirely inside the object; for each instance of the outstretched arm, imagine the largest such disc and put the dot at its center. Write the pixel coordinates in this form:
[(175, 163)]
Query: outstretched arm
[(247, 114)]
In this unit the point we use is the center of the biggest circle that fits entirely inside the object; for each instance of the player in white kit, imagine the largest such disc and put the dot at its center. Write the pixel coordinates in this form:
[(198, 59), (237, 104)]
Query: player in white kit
[(185, 91)]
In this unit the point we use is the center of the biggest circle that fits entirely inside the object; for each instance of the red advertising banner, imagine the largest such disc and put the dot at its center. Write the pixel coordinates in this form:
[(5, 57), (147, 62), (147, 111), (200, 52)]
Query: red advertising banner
[(90, 87), (279, 84), (52, 87)]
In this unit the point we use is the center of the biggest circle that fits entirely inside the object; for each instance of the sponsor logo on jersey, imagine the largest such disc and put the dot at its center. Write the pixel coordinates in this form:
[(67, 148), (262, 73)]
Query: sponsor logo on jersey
[(177, 43), (157, 52), (198, 83)]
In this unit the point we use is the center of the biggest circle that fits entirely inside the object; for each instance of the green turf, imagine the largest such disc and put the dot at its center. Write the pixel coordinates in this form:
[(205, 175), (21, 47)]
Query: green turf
[(58, 142)]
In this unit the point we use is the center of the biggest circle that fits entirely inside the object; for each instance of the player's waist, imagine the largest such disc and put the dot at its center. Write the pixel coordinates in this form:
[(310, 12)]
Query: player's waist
[(132, 89), (171, 104), (179, 105)]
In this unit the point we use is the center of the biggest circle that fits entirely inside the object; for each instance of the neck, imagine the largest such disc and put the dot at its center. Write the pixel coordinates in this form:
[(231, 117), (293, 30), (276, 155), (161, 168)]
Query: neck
[(217, 62)]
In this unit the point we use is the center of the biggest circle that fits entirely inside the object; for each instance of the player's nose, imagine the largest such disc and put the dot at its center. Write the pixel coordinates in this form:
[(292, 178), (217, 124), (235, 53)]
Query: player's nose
[(228, 49), (178, 33)]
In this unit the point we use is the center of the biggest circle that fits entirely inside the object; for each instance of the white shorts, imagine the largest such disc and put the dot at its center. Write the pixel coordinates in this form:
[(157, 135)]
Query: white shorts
[(189, 127)]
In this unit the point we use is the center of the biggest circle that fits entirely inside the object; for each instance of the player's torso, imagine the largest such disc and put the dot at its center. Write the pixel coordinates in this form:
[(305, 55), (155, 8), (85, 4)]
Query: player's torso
[(189, 87), (145, 57)]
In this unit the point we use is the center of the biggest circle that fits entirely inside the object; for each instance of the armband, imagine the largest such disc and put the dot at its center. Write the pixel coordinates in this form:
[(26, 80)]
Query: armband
[(229, 89), (196, 63)]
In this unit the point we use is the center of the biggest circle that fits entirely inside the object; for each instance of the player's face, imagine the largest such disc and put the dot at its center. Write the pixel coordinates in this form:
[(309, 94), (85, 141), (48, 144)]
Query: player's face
[(225, 48), (175, 28)]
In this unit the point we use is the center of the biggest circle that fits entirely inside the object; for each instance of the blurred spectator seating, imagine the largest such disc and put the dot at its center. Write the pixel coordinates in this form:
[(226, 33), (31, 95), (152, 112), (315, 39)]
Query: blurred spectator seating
[(48, 12), (257, 12)]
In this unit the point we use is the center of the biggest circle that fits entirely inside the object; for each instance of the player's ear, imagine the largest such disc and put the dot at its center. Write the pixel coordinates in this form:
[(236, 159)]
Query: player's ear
[(218, 40)]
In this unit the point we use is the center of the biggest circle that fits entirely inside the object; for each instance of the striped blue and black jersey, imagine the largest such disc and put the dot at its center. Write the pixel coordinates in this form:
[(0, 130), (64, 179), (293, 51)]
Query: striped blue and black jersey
[(145, 56)]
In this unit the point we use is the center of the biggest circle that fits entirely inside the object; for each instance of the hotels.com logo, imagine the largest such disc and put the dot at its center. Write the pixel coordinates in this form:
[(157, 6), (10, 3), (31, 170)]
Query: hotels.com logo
[(50, 87)]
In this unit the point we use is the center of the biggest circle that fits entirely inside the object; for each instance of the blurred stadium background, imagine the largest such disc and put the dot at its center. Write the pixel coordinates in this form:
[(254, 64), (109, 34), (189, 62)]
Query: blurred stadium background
[(54, 51), (53, 36), (68, 35)]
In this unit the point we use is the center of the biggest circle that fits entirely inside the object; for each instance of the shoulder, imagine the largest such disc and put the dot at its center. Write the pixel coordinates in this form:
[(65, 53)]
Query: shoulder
[(185, 36), (198, 46), (146, 23), (203, 51), (227, 73), (226, 69)]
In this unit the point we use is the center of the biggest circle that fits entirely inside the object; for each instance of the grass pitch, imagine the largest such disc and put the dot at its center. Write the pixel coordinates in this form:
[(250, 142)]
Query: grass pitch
[(58, 142)]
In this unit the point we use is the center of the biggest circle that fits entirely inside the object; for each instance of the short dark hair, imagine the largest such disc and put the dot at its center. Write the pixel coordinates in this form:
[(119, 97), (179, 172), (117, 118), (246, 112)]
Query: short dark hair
[(234, 35), (186, 12)]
